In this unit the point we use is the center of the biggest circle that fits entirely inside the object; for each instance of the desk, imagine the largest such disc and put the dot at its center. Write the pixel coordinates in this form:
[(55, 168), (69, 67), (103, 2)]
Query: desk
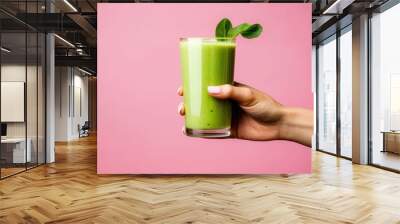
[(15, 148), (391, 141)]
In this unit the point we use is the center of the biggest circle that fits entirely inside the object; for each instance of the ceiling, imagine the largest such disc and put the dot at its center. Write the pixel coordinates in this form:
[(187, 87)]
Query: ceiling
[(76, 22)]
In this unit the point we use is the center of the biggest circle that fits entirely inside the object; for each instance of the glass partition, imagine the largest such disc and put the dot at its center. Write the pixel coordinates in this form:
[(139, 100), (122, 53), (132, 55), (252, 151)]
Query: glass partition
[(14, 153), (22, 101)]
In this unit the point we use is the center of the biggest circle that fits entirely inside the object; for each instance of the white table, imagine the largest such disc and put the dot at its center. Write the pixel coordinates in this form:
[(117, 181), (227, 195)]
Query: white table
[(19, 155)]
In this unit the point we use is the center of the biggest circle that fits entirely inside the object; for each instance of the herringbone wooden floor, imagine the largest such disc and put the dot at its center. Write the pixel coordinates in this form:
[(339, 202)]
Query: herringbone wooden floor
[(70, 191)]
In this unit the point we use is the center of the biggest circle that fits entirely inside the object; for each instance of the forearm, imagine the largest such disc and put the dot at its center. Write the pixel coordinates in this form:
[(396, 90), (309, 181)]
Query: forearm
[(297, 125)]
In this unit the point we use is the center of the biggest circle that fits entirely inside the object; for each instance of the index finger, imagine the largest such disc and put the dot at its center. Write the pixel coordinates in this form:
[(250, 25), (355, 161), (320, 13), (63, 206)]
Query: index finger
[(180, 91)]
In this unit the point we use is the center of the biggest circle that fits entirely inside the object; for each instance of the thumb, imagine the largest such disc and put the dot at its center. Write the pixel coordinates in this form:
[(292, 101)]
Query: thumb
[(241, 94)]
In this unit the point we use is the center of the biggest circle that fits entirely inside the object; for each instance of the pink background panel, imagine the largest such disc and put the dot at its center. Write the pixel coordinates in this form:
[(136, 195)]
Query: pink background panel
[(139, 71)]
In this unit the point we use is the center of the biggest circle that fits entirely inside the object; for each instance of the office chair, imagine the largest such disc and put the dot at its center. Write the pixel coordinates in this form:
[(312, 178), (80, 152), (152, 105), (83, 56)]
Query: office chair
[(84, 130)]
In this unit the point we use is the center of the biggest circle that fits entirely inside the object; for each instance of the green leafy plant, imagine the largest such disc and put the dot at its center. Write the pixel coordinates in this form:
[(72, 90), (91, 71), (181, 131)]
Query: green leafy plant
[(225, 29)]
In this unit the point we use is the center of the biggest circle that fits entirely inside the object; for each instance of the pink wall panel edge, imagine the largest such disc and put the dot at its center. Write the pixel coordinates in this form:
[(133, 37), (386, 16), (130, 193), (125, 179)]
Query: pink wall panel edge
[(139, 131)]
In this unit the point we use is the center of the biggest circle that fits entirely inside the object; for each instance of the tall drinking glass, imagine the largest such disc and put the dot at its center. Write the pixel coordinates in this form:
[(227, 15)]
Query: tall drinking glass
[(206, 62)]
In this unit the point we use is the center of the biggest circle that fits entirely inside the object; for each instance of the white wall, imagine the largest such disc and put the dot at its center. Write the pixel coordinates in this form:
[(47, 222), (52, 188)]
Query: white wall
[(9, 73), (12, 73), (62, 82), (70, 83), (81, 84)]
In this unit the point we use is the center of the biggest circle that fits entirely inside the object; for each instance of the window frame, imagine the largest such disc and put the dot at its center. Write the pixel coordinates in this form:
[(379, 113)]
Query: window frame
[(333, 37)]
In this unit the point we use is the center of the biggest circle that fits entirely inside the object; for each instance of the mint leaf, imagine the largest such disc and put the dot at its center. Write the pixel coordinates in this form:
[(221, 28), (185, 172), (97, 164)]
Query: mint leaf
[(223, 28), (233, 32), (252, 32)]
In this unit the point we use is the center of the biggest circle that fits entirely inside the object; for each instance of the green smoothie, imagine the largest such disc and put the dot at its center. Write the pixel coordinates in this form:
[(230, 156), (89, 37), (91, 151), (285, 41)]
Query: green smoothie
[(206, 62)]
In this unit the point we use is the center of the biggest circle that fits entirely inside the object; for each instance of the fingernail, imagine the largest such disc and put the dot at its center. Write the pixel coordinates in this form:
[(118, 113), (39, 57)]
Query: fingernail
[(180, 107), (214, 89), (178, 91)]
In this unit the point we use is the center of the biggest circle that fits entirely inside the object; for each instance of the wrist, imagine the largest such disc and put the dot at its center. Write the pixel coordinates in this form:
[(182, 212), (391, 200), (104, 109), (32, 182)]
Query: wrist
[(285, 125), (296, 125)]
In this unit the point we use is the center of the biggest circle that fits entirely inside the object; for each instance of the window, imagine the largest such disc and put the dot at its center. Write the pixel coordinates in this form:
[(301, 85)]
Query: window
[(327, 95), (333, 77), (385, 89), (346, 92)]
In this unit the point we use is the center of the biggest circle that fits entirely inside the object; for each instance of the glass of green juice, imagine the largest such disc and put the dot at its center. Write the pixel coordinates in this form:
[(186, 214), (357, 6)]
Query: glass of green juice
[(206, 62)]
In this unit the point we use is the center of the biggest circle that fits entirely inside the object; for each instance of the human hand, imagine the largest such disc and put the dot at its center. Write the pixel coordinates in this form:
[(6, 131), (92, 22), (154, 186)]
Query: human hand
[(257, 116)]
